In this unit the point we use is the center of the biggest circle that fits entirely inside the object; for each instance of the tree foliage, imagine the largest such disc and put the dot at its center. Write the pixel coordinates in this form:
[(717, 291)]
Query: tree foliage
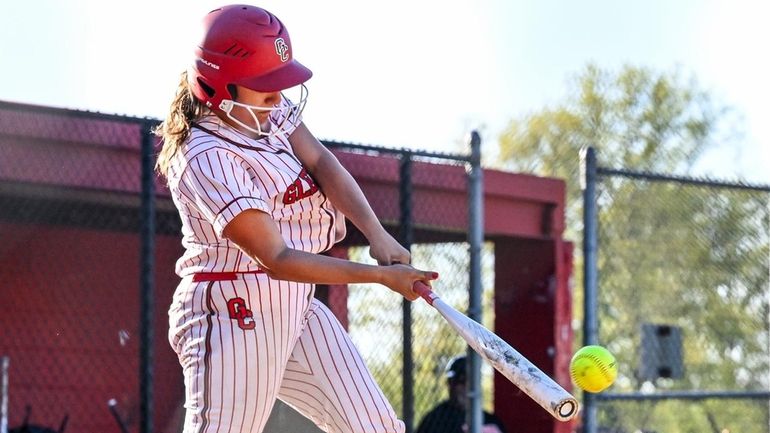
[(636, 118), (681, 255)]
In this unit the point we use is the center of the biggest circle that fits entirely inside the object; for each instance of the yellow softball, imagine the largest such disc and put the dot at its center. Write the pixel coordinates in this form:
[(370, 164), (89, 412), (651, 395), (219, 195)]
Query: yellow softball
[(593, 368)]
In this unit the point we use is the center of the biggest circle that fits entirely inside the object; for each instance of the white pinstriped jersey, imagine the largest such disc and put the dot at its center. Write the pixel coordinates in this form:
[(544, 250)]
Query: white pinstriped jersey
[(244, 339), (220, 172)]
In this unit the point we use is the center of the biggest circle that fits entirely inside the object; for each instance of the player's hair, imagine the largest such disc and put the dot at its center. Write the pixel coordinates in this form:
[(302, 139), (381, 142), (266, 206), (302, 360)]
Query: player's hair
[(175, 128)]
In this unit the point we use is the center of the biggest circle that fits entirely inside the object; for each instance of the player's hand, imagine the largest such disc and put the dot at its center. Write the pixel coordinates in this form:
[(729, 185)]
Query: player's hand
[(401, 278), (387, 250)]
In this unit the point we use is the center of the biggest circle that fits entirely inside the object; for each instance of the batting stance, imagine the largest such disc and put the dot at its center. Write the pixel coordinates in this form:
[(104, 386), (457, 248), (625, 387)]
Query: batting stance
[(259, 198)]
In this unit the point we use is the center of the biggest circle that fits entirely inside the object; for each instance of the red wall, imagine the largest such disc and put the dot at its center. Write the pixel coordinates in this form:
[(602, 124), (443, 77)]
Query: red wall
[(68, 297), (533, 314)]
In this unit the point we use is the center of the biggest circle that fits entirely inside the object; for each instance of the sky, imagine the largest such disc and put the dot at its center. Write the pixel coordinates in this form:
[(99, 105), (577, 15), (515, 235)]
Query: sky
[(406, 73)]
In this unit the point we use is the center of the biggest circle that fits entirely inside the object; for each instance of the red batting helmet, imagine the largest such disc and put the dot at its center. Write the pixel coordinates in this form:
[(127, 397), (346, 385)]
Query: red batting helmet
[(247, 46)]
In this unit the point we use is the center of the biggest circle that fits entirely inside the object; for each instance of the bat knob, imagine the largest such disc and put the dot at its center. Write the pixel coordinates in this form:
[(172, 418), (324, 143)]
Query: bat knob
[(567, 409)]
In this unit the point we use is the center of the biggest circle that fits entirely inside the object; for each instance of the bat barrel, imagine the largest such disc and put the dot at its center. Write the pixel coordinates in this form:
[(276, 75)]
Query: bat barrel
[(525, 375), (511, 364), (536, 384)]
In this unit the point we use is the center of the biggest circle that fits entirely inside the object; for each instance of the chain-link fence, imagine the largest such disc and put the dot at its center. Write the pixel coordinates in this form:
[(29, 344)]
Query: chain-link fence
[(677, 285), (70, 218), (407, 346), (89, 239)]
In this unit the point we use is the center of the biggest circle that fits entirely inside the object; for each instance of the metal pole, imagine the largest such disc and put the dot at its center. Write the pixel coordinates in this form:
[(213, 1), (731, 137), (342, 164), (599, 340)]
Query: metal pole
[(475, 240), (767, 321), (405, 235), (590, 302), (4, 362), (146, 280)]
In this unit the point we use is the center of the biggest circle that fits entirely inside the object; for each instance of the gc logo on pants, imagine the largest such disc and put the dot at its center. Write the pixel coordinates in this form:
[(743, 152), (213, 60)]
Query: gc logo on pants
[(238, 311)]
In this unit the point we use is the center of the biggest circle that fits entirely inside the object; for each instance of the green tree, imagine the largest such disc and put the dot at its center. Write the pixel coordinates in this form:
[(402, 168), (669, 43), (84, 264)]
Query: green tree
[(635, 118), (688, 256)]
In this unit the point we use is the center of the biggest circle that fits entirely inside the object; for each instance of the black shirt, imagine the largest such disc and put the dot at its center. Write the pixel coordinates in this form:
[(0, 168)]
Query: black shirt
[(448, 418)]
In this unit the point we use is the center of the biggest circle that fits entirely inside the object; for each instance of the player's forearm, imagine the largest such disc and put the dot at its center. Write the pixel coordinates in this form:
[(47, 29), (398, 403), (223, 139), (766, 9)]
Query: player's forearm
[(257, 235), (295, 265), (346, 195)]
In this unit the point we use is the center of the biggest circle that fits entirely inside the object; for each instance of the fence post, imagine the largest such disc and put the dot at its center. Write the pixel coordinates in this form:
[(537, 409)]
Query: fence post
[(406, 238), (4, 363), (475, 240), (590, 319), (146, 279)]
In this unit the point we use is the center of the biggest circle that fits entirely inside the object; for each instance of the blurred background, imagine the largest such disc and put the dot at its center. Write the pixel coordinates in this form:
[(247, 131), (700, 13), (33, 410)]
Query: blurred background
[(412, 74), (671, 95)]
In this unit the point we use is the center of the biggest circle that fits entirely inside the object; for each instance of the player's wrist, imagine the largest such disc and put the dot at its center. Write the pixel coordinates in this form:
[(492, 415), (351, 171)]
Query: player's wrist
[(380, 275), (374, 232)]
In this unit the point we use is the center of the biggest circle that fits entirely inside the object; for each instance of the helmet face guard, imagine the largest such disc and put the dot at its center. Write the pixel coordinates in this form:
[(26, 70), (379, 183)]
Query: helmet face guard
[(246, 46), (283, 116)]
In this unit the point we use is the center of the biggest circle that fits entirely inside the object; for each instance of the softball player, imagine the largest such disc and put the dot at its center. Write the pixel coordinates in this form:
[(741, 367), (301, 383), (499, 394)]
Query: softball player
[(259, 197)]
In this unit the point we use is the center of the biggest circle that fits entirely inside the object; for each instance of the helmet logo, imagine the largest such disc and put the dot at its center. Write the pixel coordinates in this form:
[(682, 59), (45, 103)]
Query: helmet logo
[(282, 49)]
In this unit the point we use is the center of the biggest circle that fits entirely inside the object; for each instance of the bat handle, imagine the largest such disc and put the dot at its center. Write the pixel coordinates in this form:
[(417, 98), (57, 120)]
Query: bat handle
[(424, 291)]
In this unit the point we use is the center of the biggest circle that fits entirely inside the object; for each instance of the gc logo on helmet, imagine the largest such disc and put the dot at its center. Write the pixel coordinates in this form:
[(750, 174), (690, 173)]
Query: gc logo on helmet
[(282, 49), (233, 50)]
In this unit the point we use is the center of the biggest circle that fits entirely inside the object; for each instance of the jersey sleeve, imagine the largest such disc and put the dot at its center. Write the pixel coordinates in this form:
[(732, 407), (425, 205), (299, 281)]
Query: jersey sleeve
[(218, 184)]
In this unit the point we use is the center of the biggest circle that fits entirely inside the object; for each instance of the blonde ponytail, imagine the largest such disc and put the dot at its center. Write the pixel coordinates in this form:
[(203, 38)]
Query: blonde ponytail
[(175, 128)]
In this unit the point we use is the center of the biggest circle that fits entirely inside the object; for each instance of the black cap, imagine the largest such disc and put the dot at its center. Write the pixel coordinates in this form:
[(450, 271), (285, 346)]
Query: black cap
[(456, 367)]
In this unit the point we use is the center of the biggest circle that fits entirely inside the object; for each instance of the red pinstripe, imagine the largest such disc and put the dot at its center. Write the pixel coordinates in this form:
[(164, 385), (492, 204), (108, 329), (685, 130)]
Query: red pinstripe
[(221, 361), (308, 384), (259, 361), (207, 363), (222, 199), (331, 226), (317, 352), (198, 348), (234, 361), (246, 393), (361, 379), (300, 404), (325, 341), (281, 336), (263, 371)]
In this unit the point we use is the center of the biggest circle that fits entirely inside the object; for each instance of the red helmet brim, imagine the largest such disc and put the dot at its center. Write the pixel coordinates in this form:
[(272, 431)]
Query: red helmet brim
[(290, 74)]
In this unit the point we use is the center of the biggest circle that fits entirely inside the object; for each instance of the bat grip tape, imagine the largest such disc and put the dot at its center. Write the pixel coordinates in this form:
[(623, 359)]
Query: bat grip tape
[(424, 291)]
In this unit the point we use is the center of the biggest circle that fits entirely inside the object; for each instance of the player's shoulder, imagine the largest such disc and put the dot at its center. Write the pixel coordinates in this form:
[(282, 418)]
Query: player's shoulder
[(199, 143), (198, 146), (206, 136)]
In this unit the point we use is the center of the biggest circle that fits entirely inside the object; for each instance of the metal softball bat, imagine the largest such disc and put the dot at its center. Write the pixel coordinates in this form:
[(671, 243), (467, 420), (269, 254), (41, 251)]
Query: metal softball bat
[(505, 359)]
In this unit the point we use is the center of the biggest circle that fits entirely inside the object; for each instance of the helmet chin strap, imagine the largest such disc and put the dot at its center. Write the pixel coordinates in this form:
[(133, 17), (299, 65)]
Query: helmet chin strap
[(281, 117)]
